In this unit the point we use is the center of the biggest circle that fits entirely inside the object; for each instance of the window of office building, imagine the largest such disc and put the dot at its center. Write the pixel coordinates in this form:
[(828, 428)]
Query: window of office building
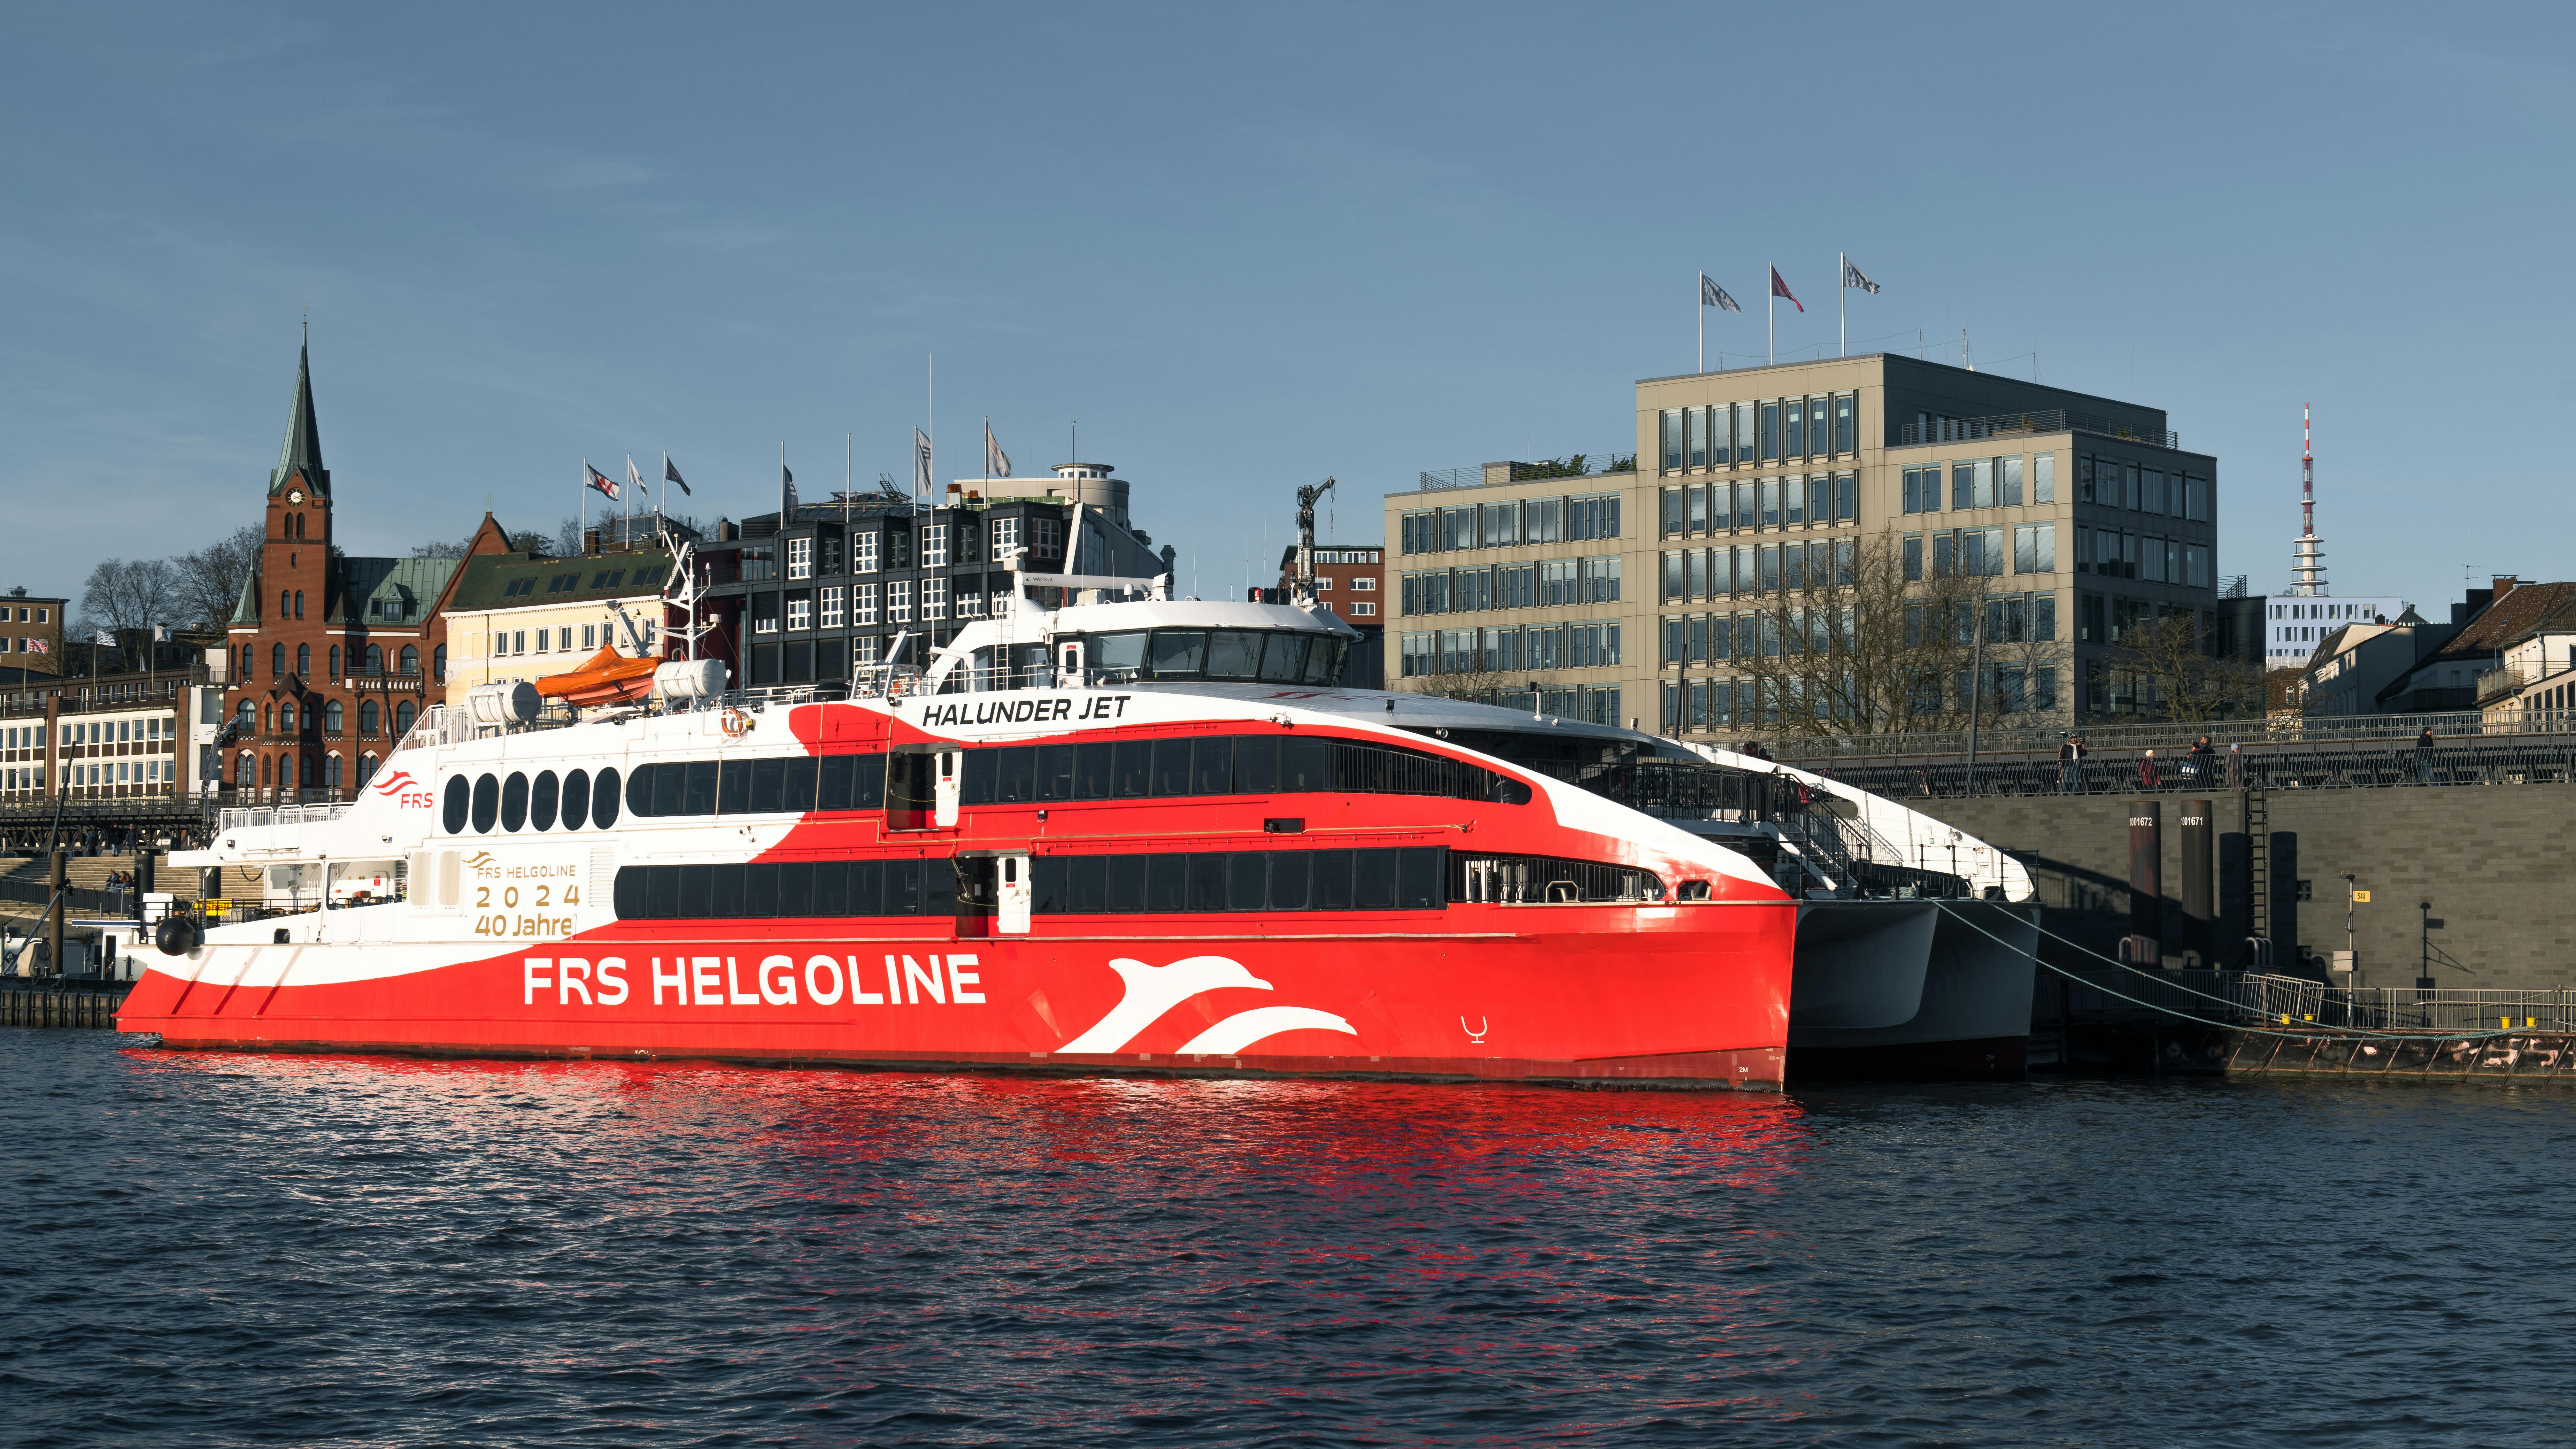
[(832, 607), (863, 552), (899, 602), (800, 558), (2035, 548), (934, 599), (800, 611)]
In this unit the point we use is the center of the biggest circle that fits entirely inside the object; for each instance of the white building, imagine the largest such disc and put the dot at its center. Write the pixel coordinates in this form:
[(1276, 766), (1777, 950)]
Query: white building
[(2295, 624)]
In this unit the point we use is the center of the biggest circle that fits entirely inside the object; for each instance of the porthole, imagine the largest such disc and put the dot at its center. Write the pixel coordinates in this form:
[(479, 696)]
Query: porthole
[(459, 795), (487, 803), (603, 800), (541, 801), (576, 799), (514, 801)]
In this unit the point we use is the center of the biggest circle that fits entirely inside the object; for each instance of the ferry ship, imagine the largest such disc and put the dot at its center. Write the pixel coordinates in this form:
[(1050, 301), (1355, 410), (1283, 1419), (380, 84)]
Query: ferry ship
[(1105, 830)]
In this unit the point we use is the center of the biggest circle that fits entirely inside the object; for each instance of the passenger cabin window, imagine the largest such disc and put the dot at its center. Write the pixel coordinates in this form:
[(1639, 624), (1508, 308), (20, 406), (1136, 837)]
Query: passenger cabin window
[(1410, 878), (1278, 656)]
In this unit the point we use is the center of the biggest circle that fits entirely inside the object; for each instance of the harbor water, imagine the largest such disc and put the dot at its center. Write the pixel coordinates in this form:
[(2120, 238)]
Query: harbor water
[(217, 1249)]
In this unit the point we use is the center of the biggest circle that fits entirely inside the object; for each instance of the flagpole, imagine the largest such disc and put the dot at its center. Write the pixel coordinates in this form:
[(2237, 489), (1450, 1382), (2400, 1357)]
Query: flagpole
[(1842, 303), (585, 495), (1701, 311), (1771, 315)]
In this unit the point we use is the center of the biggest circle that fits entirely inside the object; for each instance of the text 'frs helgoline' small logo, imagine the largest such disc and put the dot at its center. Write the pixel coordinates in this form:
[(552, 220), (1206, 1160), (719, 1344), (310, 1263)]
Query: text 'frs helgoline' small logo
[(1153, 990)]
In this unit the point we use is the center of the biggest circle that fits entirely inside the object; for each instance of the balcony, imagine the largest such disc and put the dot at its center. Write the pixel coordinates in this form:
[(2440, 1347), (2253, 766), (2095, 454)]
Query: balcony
[(2496, 685), (386, 681), (2007, 425)]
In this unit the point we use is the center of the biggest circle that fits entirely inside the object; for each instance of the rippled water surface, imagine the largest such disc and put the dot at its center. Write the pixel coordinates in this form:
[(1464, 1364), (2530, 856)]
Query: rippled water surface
[(224, 1249)]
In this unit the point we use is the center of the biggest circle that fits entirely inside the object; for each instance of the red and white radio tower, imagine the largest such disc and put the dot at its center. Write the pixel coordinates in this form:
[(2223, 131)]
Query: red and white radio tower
[(2308, 559)]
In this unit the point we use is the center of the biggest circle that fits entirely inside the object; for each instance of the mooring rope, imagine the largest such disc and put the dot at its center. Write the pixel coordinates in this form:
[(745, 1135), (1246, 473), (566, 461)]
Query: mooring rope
[(2315, 1029)]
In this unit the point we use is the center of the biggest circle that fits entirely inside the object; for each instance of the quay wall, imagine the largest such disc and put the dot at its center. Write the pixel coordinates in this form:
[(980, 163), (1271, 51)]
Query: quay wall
[(2495, 861)]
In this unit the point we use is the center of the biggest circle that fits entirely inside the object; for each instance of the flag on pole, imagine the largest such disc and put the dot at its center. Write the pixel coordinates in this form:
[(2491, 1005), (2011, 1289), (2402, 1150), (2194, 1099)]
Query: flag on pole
[(39, 646), (1713, 295), (103, 637), (1780, 288), (1852, 278), (160, 633), (920, 463), (997, 464), (632, 477), (599, 480), (671, 473)]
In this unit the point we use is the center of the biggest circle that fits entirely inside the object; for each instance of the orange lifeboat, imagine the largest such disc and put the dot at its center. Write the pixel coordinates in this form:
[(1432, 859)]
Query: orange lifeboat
[(607, 677)]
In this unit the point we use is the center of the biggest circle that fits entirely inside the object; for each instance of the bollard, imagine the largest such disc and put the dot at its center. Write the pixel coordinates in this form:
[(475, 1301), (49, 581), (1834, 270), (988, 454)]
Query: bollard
[(2146, 883), (2198, 913)]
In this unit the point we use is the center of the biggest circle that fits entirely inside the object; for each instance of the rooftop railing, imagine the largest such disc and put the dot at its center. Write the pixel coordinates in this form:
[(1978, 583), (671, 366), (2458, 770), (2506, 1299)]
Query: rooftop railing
[(1572, 465), (2005, 425)]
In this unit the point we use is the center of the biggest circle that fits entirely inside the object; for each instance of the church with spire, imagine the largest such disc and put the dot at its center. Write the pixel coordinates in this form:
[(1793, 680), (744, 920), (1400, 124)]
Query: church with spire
[(329, 658)]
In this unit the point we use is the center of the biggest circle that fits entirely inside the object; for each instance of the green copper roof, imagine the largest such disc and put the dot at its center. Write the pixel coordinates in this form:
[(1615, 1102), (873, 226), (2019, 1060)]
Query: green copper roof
[(303, 450), (389, 592), (517, 580)]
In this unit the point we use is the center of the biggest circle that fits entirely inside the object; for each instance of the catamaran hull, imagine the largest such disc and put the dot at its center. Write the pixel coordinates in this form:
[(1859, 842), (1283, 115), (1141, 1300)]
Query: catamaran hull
[(1689, 995), (1966, 1015)]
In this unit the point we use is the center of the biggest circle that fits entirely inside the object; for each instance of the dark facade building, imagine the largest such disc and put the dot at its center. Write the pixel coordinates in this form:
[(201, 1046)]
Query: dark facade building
[(328, 658), (812, 594)]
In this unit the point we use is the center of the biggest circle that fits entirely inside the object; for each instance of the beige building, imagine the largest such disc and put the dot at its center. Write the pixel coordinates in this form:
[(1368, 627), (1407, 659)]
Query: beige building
[(519, 616), (1618, 594)]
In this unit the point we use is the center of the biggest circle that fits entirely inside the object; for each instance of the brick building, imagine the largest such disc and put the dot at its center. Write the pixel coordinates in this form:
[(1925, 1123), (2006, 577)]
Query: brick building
[(330, 658)]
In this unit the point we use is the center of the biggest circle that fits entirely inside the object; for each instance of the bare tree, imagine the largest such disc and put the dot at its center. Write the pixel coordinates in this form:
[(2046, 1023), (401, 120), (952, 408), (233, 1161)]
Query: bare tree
[(209, 581), (1469, 681), (123, 594), (1848, 644), (2172, 673)]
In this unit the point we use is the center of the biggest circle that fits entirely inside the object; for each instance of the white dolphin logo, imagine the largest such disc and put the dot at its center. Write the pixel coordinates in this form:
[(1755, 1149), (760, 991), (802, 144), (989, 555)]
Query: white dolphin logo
[(1153, 990)]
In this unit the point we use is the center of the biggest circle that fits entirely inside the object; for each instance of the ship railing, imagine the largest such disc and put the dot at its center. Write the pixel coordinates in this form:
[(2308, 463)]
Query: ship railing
[(261, 817)]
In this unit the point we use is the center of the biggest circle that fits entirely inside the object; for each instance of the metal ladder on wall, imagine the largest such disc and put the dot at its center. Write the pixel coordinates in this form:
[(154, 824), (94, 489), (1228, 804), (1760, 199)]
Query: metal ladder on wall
[(2258, 860)]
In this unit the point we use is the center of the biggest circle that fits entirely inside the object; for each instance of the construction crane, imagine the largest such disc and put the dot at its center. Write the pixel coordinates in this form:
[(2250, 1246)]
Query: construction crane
[(1307, 497)]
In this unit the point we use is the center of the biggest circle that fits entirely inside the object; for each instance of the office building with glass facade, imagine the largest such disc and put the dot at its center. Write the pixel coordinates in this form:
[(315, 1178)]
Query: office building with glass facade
[(1633, 594)]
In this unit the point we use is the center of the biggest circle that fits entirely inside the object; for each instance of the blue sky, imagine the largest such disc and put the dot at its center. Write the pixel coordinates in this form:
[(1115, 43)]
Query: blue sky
[(1248, 247)]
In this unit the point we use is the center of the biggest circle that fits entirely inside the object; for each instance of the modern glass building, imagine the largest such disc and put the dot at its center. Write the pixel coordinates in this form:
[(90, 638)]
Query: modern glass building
[(1632, 593)]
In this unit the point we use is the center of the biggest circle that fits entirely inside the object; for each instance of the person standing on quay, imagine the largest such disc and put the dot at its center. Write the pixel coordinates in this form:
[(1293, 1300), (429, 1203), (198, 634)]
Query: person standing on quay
[(2070, 765), (2424, 757), (2147, 771), (2203, 756)]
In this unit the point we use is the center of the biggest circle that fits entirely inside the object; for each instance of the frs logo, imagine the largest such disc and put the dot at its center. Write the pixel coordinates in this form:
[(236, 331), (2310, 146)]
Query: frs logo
[(408, 793), (1153, 990)]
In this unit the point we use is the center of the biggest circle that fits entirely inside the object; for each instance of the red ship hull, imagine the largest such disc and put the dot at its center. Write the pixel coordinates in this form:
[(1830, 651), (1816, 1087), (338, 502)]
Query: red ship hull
[(1691, 994)]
